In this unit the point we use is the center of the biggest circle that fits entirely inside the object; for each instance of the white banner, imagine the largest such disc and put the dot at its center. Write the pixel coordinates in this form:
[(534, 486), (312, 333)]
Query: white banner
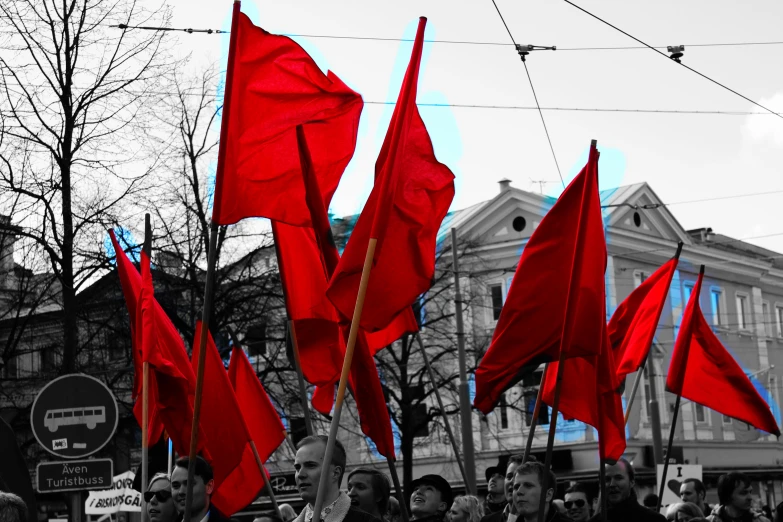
[(121, 497), (675, 476)]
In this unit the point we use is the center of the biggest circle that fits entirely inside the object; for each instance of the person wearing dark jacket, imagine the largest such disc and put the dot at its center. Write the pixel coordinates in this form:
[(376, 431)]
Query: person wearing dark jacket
[(509, 513), (496, 496), (736, 500), (527, 491), (621, 498), (203, 486), (431, 498)]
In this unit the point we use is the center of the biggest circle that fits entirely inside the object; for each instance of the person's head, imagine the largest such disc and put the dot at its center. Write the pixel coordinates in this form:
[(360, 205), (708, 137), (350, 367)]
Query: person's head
[(160, 503), (465, 508), (369, 490), (650, 501), (288, 512), (308, 465), (529, 486), (12, 508), (734, 491), (508, 483), (619, 481), (693, 490), (683, 512), (268, 516), (394, 509), (577, 503), (431, 495), (495, 482), (203, 484)]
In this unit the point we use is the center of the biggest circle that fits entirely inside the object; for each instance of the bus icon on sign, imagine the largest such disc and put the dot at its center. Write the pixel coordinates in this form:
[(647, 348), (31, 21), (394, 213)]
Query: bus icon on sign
[(90, 416)]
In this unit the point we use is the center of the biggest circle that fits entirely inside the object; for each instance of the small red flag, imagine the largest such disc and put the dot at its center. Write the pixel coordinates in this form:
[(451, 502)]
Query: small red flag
[(273, 86), (174, 388), (562, 266), (221, 421), (632, 326), (411, 196), (588, 394), (242, 486), (702, 370)]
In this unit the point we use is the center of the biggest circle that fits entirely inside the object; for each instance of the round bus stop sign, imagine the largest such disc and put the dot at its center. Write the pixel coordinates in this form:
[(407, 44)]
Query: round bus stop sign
[(74, 416)]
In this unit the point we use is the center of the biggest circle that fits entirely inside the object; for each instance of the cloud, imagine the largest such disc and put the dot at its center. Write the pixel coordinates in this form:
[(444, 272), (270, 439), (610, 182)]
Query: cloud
[(766, 127)]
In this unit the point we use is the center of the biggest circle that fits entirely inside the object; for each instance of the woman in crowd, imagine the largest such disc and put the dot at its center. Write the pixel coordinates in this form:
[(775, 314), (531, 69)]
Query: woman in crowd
[(369, 490), (160, 504), (683, 512), (465, 508)]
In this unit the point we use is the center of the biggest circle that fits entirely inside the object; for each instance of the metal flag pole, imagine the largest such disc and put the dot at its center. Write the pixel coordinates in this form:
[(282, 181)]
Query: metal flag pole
[(469, 469), (443, 411), (145, 380), (300, 377), (631, 397)]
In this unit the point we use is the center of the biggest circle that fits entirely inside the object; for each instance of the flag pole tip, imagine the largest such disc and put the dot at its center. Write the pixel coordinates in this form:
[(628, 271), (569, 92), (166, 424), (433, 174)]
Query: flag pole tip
[(593, 144), (701, 270), (423, 19)]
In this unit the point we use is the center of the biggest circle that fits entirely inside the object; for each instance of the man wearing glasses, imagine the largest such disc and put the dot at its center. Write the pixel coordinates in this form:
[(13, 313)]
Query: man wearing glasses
[(577, 503)]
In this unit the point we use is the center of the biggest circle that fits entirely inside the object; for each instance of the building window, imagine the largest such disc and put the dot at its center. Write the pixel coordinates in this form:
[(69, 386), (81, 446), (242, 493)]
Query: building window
[(687, 289), (639, 277), (779, 320), (716, 296), (765, 319), (742, 311), (726, 420), (11, 367), (255, 339), (774, 395), (496, 294), (503, 412), (700, 413)]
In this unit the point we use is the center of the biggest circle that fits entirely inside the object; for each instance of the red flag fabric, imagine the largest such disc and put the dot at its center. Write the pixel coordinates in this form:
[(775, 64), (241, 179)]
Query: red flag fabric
[(565, 255), (273, 86), (588, 394), (174, 390), (702, 370), (221, 422), (242, 486), (411, 196), (632, 326)]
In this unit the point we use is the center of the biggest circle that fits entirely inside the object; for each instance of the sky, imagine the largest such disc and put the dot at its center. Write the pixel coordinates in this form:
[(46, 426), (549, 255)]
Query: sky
[(683, 157)]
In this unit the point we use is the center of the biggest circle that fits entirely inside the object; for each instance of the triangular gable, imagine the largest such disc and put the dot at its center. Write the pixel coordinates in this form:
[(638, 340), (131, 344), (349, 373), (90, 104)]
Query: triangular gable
[(638, 209), (512, 215)]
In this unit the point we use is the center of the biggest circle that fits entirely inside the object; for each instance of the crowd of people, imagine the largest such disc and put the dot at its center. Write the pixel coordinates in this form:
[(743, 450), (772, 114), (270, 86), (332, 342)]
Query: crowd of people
[(513, 495)]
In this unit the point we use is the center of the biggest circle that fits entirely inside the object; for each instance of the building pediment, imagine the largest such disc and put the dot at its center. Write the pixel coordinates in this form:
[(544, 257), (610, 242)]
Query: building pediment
[(637, 209)]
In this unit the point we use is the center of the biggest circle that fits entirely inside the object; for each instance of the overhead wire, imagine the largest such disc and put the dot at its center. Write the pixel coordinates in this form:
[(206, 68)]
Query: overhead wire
[(535, 97), (668, 58)]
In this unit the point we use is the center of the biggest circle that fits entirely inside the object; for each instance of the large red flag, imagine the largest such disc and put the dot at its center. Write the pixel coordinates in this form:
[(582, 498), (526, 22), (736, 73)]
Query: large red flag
[(562, 266), (411, 196), (632, 326), (274, 86), (589, 393), (221, 420), (702, 370), (169, 366), (242, 486)]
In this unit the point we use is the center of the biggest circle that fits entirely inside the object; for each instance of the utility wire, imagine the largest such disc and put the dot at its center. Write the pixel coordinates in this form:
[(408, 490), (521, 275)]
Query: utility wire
[(668, 58), (535, 97)]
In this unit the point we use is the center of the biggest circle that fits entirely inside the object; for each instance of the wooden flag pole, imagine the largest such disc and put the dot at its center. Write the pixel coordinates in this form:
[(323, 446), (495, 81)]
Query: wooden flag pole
[(338, 404), (564, 341), (267, 485), (443, 413), (631, 397), (145, 392), (300, 377), (399, 491), (667, 456), (536, 412), (209, 284)]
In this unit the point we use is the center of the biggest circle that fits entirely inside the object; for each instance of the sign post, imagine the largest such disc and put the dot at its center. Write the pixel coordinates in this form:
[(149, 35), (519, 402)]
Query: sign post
[(72, 417)]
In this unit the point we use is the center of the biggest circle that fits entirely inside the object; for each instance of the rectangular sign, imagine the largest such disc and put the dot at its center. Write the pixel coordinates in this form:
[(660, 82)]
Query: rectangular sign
[(74, 475), (675, 476), (121, 497)]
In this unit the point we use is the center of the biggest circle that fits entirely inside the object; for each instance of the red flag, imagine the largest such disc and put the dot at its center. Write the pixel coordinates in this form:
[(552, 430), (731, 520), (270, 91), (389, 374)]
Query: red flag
[(242, 486), (174, 389), (411, 196), (588, 394), (273, 85), (702, 370), (562, 266), (221, 420), (632, 326)]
